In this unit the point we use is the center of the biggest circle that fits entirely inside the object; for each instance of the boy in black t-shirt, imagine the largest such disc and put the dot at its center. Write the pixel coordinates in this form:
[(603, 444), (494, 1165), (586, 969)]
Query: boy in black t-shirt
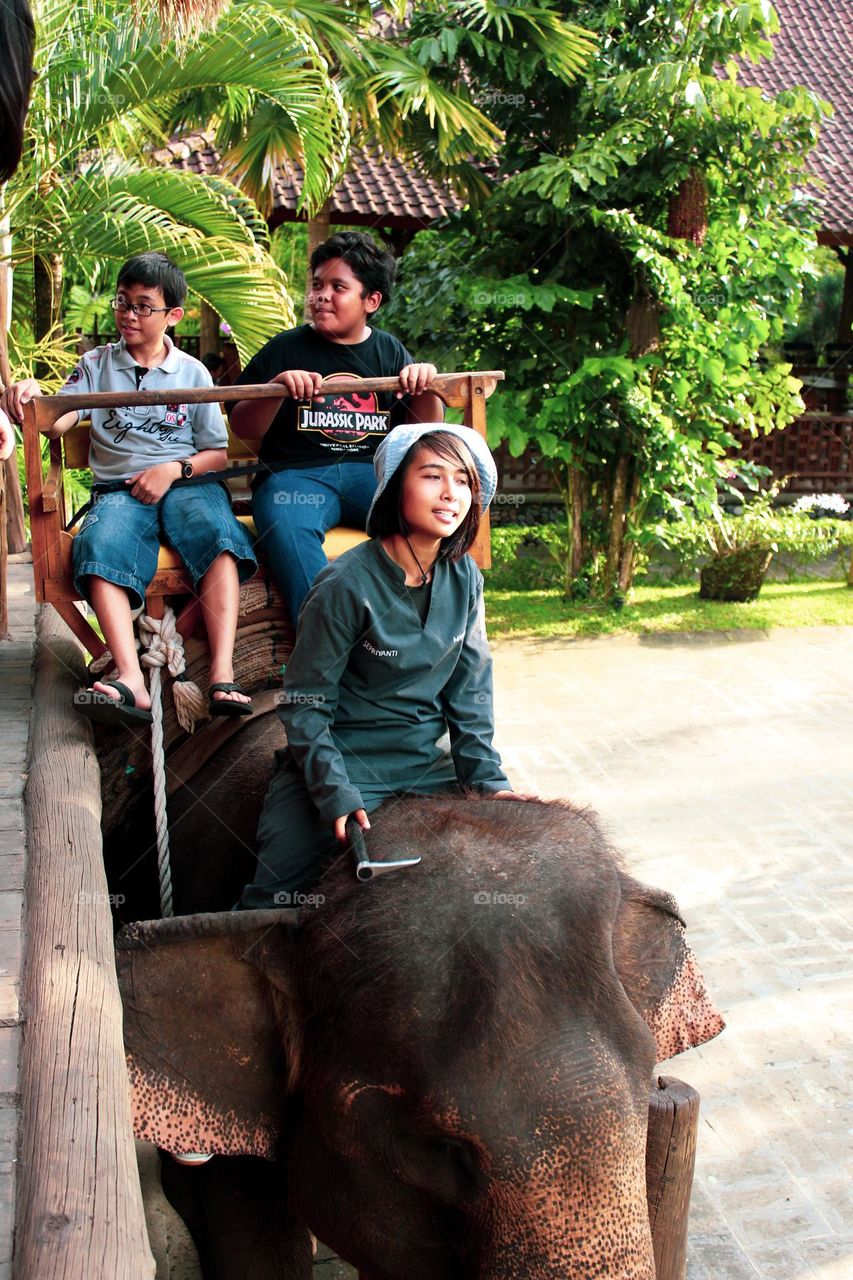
[(318, 450)]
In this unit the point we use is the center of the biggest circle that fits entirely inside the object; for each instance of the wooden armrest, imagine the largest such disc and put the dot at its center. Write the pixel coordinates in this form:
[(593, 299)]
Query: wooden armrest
[(50, 491), (449, 386)]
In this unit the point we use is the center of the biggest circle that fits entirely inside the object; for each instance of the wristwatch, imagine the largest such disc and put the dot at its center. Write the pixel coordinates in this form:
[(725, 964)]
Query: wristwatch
[(186, 469)]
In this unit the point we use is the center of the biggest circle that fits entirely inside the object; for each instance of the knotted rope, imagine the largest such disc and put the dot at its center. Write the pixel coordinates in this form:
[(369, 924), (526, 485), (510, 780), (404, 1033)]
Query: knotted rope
[(165, 648)]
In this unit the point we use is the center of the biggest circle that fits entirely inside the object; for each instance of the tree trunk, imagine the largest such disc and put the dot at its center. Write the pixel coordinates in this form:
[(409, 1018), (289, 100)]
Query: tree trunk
[(688, 209), (318, 232), (575, 514), (618, 502), (209, 339), (629, 546), (643, 324), (47, 291)]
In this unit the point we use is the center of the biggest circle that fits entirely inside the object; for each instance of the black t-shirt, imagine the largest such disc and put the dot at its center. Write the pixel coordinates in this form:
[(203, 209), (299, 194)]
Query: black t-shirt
[(343, 428)]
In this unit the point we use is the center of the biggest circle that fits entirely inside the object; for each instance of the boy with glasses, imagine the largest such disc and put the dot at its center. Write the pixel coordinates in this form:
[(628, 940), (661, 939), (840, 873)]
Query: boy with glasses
[(136, 454)]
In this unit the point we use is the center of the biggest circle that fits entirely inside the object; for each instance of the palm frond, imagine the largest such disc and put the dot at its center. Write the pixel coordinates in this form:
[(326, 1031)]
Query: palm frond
[(400, 88), (100, 73), (565, 48), (113, 214)]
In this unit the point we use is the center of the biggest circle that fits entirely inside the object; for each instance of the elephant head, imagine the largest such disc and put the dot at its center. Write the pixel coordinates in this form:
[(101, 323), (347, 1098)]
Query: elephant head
[(453, 1063)]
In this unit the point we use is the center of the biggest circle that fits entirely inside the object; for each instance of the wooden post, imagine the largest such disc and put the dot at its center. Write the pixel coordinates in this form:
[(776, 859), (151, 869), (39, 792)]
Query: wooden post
[(79, 1202), (845, 315), (475, 416), (670, 1158)]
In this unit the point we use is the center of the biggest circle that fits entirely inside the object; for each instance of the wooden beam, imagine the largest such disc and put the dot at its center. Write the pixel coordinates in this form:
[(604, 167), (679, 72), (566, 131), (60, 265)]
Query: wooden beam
[(670, 1159), (79, 1202)]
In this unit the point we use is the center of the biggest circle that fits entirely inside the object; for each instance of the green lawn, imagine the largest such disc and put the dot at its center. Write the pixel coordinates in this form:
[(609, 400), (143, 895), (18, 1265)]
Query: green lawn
[(658, 609)]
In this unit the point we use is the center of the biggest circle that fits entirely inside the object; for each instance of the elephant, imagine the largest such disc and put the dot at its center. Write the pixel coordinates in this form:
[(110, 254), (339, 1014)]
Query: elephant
[(442, 1073)]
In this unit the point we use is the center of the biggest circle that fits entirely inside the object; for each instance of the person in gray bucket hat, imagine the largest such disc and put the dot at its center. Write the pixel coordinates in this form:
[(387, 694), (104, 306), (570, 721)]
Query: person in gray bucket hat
[(388, 691), (397, 444)]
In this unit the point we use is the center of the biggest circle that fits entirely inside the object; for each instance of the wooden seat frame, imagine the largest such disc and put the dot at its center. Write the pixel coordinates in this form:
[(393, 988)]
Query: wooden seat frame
[(47, 502)]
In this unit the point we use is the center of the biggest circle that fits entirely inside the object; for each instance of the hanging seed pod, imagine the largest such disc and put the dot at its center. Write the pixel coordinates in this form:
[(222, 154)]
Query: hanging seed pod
[(688, 209), (642, 322), (182, 19)]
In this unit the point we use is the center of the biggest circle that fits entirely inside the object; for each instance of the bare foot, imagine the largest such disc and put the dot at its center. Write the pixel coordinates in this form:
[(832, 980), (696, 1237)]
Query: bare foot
[(135, 682)]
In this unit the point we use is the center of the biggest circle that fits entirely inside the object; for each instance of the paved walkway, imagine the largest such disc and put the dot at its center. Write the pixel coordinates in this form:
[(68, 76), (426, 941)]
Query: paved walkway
[(723, 768)]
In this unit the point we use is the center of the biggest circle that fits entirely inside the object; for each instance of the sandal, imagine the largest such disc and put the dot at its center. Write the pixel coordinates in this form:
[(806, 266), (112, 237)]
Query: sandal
[(95, 705), (224, 706)]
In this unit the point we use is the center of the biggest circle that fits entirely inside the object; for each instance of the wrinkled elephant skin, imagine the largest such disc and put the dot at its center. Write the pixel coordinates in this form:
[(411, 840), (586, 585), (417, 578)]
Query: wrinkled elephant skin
[(452, 1064)]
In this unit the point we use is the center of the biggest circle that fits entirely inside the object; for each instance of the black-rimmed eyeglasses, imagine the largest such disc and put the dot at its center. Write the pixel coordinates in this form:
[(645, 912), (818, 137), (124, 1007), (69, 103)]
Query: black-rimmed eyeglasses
[(138, 308)]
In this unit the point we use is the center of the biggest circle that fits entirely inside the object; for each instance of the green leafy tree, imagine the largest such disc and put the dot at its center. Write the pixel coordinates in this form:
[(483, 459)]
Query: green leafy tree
[(644, 240)]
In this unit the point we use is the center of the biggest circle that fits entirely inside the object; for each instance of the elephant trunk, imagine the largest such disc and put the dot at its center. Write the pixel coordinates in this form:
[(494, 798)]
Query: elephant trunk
[(573, 1218)]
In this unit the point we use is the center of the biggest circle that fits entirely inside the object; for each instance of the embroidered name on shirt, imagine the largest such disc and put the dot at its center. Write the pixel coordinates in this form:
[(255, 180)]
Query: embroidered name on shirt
[(379, 653)]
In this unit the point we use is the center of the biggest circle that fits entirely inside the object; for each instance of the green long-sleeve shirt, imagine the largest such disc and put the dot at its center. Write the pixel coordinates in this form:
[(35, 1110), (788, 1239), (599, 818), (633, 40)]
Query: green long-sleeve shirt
[(377, 702)]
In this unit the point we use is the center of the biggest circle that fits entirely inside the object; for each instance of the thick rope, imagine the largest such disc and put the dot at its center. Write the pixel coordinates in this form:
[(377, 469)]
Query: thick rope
[(164, 648), (161, 821)]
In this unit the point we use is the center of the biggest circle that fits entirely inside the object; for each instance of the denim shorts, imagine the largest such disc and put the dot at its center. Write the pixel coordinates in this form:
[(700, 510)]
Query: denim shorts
[(120, 537)]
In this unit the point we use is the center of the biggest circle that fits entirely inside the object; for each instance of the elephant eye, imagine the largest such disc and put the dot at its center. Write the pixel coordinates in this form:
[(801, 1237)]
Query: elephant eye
[(445, 1167)]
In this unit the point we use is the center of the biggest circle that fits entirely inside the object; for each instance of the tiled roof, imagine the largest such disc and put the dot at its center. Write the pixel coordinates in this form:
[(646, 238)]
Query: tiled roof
[(814, 48), (377, 189)]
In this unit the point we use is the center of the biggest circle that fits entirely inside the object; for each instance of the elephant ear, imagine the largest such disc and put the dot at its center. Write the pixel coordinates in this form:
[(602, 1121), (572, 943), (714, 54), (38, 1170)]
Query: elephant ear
[(659, 971), (210, 1030)]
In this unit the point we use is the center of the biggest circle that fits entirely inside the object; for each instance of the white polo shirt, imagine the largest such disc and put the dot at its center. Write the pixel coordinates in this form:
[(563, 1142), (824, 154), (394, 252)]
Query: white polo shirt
[(125, 441)]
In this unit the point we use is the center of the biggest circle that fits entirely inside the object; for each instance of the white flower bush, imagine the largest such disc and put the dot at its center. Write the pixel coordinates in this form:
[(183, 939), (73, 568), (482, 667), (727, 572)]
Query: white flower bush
[(821, 503)]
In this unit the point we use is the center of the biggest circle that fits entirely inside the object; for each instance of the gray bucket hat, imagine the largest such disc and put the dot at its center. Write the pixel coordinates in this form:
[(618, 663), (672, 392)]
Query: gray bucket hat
[(398, 442)]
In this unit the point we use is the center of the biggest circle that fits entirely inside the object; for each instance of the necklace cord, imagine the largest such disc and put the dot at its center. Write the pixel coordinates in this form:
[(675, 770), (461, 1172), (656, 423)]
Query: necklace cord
[(424, 573)]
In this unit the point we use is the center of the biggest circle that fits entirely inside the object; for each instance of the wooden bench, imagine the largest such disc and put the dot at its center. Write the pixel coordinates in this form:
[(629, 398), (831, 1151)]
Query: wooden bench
[(51, 543)]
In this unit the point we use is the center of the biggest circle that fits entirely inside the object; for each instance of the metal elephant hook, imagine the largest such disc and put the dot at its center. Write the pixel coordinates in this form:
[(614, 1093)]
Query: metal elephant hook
[(364, 868)]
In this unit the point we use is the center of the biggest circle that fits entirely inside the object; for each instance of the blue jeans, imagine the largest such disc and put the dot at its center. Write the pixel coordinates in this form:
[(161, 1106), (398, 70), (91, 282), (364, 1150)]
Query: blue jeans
[(294, 509), (120, 538)]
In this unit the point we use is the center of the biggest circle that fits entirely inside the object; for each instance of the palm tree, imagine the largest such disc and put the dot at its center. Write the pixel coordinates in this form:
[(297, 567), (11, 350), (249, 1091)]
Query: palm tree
[(88, 187), (401, 76)]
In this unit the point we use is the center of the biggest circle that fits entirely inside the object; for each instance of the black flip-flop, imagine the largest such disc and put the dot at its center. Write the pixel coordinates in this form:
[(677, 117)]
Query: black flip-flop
[(95, 705), (225, 706)]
